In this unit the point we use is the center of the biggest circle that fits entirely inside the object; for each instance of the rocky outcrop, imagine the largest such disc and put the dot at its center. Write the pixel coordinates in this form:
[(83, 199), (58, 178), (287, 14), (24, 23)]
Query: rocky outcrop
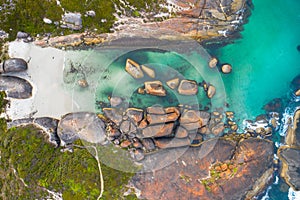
[(15, 87), (201, 20), (155, 88), (48, 124), (290, 168), (188, 87), (81, 125), (71, 21), (14, 65), (134, 69), (245, 170), (211, 91), (226, 68), (113, 114), (75, 39), (289, 154), (213, 62), (160, 130), (197, 19)]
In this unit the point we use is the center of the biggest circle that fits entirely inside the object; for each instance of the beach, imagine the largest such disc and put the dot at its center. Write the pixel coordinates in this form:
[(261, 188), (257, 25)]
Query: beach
[(45, 73)]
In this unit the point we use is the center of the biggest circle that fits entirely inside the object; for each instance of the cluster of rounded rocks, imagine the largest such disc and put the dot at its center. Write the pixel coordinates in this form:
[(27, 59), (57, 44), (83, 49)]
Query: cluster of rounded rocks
[(14, 87), (156, 87), (225, 68), (156, 127)]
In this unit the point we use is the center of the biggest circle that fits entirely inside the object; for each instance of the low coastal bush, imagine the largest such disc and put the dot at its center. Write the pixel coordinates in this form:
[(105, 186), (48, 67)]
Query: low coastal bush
[(28, 15), (31, 167)]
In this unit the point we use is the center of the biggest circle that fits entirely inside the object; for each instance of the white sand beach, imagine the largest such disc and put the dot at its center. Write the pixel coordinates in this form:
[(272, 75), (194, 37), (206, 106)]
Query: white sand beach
[(45, 73)]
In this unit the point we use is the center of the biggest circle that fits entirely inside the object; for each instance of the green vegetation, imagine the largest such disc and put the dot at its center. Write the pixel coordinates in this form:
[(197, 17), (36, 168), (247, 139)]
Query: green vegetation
[(29, 166), (219, 174), (27, 15)]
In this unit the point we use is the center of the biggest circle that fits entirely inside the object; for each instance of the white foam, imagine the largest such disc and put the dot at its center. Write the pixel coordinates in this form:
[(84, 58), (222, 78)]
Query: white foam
[(294, 195), (278, 144), (254, 125), (266, 196), (276, 180), (287, 117)]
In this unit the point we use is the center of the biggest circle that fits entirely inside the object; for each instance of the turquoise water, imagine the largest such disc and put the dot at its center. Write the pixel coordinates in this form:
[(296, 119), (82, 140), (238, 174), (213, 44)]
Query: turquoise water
[(265, 59)]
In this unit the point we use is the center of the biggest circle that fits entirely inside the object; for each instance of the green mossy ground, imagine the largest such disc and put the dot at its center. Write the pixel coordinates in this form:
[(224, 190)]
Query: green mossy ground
[(29, 164)]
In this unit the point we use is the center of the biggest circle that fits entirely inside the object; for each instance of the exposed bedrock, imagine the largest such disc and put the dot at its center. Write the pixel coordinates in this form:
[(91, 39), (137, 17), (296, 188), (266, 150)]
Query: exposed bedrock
[(289, 154), (81, 125), (15, 87), (218, 169)]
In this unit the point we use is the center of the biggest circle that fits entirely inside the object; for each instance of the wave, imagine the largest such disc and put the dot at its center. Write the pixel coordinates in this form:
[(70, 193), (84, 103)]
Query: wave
[(266, 196), (294, 195), (287, 119)]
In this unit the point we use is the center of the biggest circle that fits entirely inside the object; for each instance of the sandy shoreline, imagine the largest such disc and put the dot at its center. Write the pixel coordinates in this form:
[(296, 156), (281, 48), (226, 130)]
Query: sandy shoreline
[(45, 73)]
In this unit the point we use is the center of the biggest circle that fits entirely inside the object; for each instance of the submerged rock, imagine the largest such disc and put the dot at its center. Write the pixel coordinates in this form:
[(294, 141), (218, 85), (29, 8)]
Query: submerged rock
[(86, 126), (83, 83), (150, 72), (155, 88), (276, 105), (188, 87), (115, 101), (133, 69), (173, 83), (14, 65), (15, 87)]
